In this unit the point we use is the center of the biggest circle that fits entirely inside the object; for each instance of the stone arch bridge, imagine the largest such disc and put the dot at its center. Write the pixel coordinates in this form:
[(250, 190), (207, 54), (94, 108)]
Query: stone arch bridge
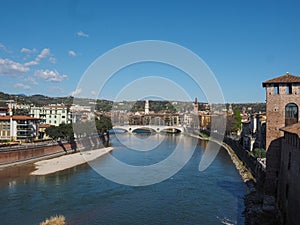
[(152, 128)]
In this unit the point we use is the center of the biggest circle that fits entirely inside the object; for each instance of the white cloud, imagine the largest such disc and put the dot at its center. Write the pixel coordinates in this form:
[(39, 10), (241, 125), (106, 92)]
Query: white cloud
[(3, 47), (72, 53), (32, 63), (50, 75), (44, 53), (23, 86), (82, 34), (27, 50), (52, 60), (11, 68), (32, 80), (76, 92)]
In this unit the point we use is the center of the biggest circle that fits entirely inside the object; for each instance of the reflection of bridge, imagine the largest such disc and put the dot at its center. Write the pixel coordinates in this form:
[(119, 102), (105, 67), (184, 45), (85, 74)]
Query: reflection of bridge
[(152, 128)]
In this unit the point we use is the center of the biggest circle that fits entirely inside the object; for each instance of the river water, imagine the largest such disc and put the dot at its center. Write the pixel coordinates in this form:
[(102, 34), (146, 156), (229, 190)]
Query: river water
[(213, 196)]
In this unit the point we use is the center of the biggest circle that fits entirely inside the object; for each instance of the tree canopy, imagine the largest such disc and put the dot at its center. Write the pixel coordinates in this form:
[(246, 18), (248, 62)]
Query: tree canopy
[(66, 131)]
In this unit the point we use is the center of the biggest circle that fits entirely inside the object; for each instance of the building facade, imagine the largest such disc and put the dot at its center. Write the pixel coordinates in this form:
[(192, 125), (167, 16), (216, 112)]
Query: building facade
[(18, 128), (51, 114), (288, 187), (282, 104)]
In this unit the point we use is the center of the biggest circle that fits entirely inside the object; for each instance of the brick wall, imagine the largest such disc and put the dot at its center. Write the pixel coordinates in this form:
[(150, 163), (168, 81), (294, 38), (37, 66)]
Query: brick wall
[(15, 155)]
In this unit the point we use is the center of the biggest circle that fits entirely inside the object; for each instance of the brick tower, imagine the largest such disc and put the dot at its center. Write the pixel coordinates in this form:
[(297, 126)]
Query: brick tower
[(282, 104), (282, 109)]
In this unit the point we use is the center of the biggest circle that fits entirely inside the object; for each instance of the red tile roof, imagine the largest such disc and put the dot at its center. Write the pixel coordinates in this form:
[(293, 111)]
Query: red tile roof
[(44, 125), (284, 79), (4, 118), (294, 129)]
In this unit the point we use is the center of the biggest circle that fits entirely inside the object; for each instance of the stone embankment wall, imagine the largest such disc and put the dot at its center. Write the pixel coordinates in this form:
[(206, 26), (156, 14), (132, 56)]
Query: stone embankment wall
[(35, 151), (250, 162), (23, 153)]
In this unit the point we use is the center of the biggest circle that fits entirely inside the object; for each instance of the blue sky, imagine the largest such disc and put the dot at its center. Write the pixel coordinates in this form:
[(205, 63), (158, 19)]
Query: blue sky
[(46, 46)]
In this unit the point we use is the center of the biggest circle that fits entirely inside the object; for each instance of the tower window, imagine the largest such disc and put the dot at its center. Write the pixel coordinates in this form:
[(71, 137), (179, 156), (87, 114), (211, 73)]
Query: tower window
[(276, 89), (291, 114), (289, 89)]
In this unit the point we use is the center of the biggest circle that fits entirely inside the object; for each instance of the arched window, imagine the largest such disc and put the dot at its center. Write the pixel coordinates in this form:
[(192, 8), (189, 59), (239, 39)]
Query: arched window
[(291, 114)]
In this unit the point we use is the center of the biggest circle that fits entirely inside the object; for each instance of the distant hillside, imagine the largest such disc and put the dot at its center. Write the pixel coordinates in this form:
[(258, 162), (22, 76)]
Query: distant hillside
[(106, 105), (37, 100)]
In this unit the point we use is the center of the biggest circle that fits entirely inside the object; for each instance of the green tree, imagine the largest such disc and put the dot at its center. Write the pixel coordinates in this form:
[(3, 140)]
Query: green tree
[(230, 124), (53, 132), (237, 120), (103, 123), (64, 131), (259, 153)]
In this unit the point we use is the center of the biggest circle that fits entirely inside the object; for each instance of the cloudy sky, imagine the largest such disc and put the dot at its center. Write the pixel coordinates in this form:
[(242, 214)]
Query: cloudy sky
[(46, 46)]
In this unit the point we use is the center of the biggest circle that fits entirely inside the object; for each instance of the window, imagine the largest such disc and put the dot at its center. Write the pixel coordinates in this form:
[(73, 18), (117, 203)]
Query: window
[(291, 114), (276, 89), (289, 89)]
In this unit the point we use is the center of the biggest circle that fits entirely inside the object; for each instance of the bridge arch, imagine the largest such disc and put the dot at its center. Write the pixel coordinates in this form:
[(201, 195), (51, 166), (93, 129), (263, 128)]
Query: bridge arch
[(152, 128), (171, 130), (149, 129)]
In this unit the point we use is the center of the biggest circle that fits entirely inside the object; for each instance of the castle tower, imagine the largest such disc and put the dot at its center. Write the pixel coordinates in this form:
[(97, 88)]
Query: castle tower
[(196, 106), (282, 104), (147, 107)]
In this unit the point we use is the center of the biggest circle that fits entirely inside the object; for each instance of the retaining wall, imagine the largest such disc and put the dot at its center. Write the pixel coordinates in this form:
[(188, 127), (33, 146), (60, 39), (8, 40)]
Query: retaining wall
[(250, 162)]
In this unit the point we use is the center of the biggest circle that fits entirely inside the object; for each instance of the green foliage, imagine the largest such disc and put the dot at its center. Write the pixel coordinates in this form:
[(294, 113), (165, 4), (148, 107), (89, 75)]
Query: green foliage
[(204, 135), (237, 120), (161, 106), (103, 123), (104, 105), (259, 153), (230, 124), (21, 112), (64, 131)]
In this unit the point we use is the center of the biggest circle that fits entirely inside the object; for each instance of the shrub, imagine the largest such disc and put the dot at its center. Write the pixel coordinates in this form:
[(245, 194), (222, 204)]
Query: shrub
[(259, 153), (54, 220)]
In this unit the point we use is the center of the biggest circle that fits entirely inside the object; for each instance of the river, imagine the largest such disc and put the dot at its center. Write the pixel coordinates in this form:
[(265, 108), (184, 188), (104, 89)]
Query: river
[(213, 196)]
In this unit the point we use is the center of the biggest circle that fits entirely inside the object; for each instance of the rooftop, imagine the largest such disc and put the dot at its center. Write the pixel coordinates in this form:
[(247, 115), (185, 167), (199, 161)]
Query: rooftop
[(294, 129), (4, 118), (44, 125), (284, 79)]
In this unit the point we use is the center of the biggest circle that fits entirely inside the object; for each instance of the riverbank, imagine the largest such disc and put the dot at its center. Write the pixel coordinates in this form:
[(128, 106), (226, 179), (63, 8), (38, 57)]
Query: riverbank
[(53, 165), (259, 208), (243, 171)]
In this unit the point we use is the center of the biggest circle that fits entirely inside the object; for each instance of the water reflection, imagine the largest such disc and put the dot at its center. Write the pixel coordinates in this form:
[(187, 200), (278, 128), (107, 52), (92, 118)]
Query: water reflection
[(214, 196)]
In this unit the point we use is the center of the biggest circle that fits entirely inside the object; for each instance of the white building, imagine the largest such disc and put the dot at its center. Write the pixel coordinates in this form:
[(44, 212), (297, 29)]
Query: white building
[(51, 114), (18, 128)]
